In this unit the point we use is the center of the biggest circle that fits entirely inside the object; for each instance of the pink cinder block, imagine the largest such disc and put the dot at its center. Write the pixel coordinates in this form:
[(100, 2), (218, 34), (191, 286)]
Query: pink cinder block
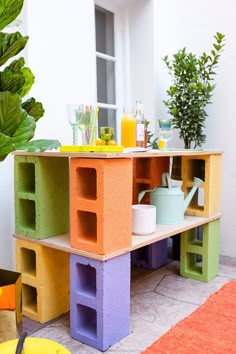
[(100, 204)]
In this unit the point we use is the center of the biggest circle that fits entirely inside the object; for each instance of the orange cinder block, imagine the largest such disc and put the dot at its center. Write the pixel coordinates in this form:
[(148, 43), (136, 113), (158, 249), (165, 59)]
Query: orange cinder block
[(147, 174), (100, 204)]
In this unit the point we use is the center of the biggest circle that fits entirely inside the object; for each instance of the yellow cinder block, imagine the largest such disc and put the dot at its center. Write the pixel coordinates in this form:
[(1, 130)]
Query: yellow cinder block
[(45, 280), (208, 168)]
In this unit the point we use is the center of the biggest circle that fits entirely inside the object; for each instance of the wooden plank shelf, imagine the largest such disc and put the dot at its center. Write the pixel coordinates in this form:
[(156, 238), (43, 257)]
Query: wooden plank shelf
[(99, 155), (62, 242)]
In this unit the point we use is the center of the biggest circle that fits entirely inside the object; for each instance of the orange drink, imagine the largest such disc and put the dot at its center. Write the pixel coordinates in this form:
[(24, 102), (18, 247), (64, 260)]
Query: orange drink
[(128, 130)]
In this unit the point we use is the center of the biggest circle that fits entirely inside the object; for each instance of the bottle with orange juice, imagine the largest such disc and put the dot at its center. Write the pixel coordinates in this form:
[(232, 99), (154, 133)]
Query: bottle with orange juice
[(128, 130)]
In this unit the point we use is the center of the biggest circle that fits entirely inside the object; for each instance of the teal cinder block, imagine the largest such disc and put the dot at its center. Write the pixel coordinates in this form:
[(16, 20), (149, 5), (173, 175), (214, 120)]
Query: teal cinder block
[(41, 196), (207, 248)]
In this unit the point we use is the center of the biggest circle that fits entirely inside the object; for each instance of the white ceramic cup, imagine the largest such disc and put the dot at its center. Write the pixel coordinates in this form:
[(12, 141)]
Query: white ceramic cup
[(143, 219)]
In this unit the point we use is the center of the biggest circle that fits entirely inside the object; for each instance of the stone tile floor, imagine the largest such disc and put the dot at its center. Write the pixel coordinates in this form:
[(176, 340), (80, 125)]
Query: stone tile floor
[(159, 299)]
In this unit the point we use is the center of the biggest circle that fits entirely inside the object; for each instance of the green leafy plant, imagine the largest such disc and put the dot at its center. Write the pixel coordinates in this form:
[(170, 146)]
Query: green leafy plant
[(151, 139), (18, 117), (192, 90)]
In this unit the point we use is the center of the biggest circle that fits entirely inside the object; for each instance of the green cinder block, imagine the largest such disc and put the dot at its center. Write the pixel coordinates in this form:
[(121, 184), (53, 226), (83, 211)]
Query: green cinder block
[(207, 248), (41, 196)]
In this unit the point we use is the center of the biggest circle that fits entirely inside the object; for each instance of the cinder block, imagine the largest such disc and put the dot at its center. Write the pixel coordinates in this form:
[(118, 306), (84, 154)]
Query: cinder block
[(45, 280), (208, 248), (100, 204), (147, 174), (206, 201), (41, 196), (152, 256), (100, 300)]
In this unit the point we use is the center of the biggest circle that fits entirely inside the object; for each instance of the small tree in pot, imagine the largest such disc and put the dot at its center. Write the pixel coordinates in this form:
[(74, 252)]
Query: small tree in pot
[(191, 91)]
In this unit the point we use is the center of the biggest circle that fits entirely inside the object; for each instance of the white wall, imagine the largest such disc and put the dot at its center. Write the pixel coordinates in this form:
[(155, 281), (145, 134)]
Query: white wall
[(142, 80), (61, 53), (192, 24)]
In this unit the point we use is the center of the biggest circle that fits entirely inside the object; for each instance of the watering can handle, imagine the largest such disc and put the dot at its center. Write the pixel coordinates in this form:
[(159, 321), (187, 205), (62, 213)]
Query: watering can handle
[(166, 178)]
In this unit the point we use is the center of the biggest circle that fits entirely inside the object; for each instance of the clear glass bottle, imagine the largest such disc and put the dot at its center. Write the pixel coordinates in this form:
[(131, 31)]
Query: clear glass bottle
[(140, 127)]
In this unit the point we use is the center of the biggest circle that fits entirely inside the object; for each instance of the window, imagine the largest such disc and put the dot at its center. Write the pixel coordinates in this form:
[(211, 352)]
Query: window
[(124, 59), (106, 68)]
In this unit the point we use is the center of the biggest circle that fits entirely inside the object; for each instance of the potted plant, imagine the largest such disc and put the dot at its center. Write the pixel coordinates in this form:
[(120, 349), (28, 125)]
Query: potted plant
[(150, 137), (191, 91), (18, 117)]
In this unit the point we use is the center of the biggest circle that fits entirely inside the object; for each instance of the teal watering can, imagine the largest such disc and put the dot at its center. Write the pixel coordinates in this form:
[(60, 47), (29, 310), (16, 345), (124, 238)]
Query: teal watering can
[(169, 200)]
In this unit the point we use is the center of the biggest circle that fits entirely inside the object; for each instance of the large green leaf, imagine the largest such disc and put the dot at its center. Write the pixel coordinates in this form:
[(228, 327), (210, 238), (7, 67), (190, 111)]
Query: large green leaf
[(15, 65), (12, 82), (6, 146), (11, 113), (9, 10), (35, 109), (38, 145), (25, 131), (16, 78), (10, 45), (29, 80)]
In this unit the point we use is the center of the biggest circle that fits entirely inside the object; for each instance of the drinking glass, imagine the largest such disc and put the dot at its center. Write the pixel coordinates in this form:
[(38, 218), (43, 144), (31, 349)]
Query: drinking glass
[(165, 133), (74, 112), (87, 123), (84, 118), (106, 134)]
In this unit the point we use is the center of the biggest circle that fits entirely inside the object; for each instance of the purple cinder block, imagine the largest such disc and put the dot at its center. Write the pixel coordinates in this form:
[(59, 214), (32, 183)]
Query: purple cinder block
[(99, 300), (152, 256)]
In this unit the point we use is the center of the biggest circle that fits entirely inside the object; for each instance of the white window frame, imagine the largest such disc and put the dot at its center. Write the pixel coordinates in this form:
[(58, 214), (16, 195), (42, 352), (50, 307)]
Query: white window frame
[(121, 59)]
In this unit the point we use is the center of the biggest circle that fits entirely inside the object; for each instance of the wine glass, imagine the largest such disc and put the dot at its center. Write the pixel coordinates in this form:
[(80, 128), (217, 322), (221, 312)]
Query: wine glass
[(106, 134), (165, 133), (74, 112)]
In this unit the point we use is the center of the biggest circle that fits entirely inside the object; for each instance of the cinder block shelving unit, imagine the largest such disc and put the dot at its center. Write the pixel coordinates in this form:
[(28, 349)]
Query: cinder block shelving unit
[(75, 209)]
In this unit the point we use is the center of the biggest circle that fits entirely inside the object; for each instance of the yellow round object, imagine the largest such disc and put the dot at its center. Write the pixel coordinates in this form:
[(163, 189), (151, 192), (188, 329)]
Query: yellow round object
[(161, 144), (100, 141), (112, 143), (34, 346)]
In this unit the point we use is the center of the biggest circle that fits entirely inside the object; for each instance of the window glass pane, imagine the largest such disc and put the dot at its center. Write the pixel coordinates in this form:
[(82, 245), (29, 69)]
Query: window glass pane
[(105, 81), (107, 118), (104, 31)]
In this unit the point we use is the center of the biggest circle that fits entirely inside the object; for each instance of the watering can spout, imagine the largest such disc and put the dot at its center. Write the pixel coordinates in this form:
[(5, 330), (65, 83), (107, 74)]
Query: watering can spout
[(196, 185), (142, 193)]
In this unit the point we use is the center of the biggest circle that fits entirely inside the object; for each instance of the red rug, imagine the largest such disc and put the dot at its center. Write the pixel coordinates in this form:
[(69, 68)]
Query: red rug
[(210, 329)]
